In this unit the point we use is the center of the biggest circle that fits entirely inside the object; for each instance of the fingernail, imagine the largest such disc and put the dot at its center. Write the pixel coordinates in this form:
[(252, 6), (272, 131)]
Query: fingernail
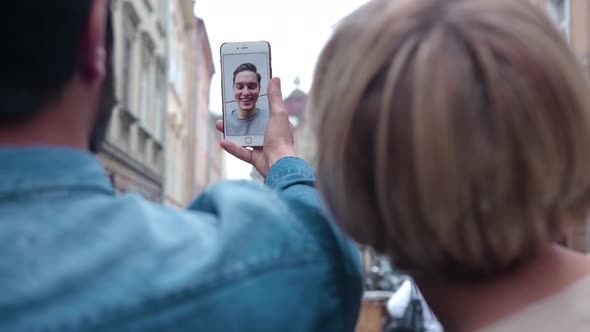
[(276, 81)]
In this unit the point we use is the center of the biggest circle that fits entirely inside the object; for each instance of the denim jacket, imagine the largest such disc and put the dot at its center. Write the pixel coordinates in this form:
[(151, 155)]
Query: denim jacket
[(75, 256)]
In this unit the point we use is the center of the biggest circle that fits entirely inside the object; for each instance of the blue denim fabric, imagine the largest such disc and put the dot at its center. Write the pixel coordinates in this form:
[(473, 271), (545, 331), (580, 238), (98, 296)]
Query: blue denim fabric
[(243, 257)]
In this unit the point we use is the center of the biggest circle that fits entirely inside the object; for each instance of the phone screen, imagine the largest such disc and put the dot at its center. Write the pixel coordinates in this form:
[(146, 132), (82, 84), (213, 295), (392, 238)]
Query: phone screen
[(246, 75)]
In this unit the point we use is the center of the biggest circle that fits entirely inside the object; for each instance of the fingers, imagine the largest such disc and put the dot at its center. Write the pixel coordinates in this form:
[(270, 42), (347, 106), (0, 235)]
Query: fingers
[(237, 151), (275, 97), (219, 125)]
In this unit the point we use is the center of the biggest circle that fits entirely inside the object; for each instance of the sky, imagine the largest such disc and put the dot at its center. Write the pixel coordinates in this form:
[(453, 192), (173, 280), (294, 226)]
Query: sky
[(296, 30)]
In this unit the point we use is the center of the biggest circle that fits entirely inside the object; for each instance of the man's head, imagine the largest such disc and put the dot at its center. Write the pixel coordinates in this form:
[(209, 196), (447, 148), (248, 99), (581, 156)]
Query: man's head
[(56, 77), (246, 86)]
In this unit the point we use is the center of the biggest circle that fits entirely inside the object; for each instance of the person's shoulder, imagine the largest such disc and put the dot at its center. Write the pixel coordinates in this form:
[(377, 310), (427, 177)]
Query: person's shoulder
[(245, 220), (229, 206), (144, 214), (213, 203), (263, 115), (227, 211), (232, 115), (566, 310), (159, 262), (248, 201)]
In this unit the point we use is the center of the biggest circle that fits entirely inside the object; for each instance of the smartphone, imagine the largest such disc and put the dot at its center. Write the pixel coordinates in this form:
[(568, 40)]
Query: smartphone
[(245, 75)]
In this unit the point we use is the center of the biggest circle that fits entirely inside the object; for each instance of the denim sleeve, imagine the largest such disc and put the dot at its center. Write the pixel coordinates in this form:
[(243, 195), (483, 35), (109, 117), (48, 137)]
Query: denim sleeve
[(293, 180), (275, 246)]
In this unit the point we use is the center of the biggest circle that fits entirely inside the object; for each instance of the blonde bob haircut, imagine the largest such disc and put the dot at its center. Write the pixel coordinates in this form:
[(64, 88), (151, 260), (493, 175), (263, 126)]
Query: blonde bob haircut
[(453, 135)]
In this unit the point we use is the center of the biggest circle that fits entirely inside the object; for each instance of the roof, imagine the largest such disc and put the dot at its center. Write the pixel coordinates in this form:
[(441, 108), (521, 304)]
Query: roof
[(205, 46), (296, 102)]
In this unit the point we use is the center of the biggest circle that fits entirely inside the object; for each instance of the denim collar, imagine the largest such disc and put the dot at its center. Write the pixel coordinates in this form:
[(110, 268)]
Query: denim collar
[(40, 168)]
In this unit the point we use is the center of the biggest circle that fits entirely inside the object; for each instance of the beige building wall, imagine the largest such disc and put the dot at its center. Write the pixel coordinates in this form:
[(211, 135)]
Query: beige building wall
[(216, 156), (193, 159), (133, 153), (208, 156), (181, 103)]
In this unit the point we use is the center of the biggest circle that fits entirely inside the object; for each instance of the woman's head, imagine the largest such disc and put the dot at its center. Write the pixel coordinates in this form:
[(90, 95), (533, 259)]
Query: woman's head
[(454, 135)]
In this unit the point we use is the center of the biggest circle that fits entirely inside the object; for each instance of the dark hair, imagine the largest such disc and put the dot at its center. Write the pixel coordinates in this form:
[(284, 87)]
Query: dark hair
[(247, 67), (108, 98), (41, 40)]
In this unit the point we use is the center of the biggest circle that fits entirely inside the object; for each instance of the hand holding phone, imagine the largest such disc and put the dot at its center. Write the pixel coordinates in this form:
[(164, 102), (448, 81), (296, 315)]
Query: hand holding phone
[(246, 72), (278, 138)]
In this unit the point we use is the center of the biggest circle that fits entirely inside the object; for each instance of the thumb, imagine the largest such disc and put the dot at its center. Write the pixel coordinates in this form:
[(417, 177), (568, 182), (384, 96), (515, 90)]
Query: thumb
[(275, 96)]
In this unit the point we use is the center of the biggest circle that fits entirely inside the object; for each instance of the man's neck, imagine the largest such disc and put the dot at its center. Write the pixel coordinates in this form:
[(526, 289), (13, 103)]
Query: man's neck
[(44, 128), (478, 304), (246, 114)]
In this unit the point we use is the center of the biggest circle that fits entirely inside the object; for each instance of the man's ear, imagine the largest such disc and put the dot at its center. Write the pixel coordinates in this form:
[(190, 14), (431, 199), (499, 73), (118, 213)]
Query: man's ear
[(93, 48)]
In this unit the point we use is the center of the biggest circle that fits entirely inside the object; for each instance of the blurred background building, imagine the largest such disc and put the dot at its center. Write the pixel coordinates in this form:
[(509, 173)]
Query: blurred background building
[(181, 103), (160, 143), (208, 157), (296, 104), (189, 140), (133, 153)]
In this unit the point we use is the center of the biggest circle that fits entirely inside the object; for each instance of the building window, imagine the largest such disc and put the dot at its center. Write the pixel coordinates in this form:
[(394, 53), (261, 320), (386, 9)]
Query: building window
[(130, 24), (129, 33), (173, 65), (145, 81), (180, 76), (177, 69), (559, 12), (163, 10), (160, 104), (127, 49), (156, 156)]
